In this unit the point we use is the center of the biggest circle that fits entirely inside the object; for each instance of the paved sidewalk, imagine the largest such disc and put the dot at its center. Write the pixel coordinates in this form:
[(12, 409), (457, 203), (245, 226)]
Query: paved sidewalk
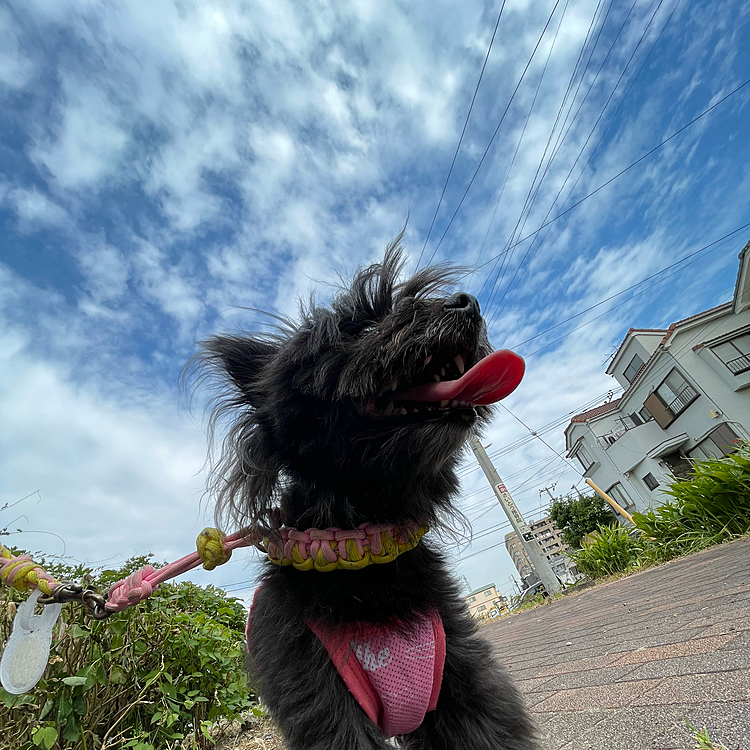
[(619, 666)]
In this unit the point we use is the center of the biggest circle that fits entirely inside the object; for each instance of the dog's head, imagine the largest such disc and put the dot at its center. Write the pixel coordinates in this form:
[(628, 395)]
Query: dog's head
[(358, 411)]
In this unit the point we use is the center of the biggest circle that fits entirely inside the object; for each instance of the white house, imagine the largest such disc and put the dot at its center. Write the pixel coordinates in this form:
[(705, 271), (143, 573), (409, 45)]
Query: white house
[(687, 396)]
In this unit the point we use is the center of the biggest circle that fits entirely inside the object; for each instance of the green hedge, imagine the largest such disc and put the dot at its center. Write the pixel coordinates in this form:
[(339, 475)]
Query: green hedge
[(711, 506), (153, 677)]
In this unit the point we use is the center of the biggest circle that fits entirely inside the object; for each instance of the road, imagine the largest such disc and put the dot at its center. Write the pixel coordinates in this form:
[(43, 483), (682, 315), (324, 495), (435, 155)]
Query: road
[(620, 666)]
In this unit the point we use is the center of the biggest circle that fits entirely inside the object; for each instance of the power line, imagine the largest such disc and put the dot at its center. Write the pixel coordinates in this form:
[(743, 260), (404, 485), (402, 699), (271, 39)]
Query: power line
[(626, 169), (627, 289), (534, 188), (509, 288), (560, 142), (460, 140), (612, 119), (510, 447), (523, 132), (614, 307), (486, 151)]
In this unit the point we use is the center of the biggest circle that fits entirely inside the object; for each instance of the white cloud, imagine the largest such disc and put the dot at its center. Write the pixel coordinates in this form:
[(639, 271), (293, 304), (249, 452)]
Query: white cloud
[(35, 210), (112, 476), (89, 141), (16, 69), (167, 284)]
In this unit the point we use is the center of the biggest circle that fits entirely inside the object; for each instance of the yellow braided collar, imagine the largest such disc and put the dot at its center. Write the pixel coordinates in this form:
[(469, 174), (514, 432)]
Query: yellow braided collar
[(342, 549), (23, 574)]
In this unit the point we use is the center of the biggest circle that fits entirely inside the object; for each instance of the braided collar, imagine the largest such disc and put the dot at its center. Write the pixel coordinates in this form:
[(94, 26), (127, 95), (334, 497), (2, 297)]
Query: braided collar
[(342, 549)]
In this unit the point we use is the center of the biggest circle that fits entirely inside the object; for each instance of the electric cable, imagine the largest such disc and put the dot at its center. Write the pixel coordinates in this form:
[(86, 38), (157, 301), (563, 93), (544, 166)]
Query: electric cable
[(486, 151), (460, 140)]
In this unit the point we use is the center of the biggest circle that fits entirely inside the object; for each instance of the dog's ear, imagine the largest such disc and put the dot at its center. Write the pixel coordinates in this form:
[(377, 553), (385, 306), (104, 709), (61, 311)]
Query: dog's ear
[(241, 357)]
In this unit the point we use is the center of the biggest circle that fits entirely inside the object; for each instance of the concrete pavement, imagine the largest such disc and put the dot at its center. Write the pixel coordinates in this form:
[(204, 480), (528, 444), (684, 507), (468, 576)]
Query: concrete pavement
[(619, 666)]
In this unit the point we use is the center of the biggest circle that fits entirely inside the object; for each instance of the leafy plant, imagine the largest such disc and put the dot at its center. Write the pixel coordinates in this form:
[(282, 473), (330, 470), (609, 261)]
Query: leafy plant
[(155, 676), (711, 506), (702, 738), (608, 550), (579, 516)]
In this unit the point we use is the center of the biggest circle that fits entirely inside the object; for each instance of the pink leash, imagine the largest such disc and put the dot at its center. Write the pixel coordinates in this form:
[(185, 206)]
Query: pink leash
[(142, 583)]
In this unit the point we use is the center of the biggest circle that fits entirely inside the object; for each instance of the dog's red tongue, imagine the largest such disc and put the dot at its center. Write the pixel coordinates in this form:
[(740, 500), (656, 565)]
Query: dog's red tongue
[(491, 379)]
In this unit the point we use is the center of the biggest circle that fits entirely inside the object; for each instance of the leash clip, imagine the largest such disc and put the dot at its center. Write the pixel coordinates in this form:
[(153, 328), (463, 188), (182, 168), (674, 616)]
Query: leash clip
[(74, 592)]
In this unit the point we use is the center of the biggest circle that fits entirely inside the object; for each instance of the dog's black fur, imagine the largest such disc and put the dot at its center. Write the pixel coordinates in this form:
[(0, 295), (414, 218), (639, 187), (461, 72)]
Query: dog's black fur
[(309, 447)]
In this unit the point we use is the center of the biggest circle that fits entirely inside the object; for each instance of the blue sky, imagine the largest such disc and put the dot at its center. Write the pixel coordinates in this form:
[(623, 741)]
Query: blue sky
[(164, 165)]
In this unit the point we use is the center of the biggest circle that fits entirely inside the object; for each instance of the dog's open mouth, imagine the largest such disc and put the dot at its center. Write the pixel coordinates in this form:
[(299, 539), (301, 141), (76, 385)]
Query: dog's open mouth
[(446, 384)]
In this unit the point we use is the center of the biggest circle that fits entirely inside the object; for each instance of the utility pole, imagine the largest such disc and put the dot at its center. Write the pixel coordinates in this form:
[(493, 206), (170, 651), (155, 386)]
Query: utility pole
[(539, 562), (547, 490)]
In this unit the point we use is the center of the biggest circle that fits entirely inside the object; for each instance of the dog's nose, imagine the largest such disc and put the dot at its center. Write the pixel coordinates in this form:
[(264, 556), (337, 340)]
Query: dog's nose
[(464, 302)]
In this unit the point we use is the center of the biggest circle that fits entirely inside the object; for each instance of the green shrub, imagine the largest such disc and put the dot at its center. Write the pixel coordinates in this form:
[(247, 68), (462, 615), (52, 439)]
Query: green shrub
[(579, 516), (155, 676), (711, 506), (608, 550)]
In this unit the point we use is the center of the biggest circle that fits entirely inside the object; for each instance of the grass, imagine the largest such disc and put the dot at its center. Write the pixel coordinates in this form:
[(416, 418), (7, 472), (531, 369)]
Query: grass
[(702, 738)]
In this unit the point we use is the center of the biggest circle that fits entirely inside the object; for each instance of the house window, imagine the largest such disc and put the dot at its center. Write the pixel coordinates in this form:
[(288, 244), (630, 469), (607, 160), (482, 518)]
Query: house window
[(720, 443), (481, 608), (618, 494), (645, 414), (472, 599), (650, 481), (735, 354), (670, 398), (635, 419), (635, 364), (584, 458)]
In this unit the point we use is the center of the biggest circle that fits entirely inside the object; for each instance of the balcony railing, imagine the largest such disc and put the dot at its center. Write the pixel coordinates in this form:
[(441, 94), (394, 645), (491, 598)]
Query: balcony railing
[(741, 364), (685, 397)]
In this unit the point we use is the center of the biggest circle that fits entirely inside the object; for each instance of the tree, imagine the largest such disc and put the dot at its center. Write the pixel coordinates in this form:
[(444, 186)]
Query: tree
[(579, 516)]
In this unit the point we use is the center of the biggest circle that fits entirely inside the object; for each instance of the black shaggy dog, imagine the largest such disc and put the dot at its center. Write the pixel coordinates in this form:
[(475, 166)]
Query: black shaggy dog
[(328, 429)]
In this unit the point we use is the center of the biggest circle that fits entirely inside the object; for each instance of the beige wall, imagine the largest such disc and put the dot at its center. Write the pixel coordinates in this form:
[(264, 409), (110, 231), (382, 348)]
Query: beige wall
[(482, 602)]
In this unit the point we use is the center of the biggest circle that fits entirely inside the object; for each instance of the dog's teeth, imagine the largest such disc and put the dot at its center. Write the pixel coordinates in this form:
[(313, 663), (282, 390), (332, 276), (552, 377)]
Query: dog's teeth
[(389, 409), (442, 371), (444, 403), (454, 403), (402, 411), (459, 360), (427, 360), (394, 384), (437, 378)]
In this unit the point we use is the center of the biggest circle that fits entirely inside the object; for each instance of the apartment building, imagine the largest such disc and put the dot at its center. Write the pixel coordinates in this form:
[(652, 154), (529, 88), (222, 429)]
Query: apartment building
[(551, 542), (686, 397)]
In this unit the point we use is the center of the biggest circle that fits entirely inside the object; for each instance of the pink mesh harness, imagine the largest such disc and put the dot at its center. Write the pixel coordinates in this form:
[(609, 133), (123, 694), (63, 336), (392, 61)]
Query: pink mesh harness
[(394, 674)]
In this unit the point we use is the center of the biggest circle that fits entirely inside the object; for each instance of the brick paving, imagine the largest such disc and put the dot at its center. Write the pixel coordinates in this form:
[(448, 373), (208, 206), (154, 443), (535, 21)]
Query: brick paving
[(620, 666)]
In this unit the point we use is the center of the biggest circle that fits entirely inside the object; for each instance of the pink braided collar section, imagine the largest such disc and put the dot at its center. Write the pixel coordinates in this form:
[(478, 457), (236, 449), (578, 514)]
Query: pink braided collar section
[(311, 541), (141, 584)]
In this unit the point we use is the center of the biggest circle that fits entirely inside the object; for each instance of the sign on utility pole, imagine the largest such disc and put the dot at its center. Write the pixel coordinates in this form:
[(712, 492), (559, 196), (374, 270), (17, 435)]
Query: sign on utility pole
[(539, 561)]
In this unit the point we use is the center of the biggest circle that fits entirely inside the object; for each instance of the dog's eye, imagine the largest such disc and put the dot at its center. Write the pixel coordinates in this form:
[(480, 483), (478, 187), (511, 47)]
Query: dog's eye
[(356, 327)]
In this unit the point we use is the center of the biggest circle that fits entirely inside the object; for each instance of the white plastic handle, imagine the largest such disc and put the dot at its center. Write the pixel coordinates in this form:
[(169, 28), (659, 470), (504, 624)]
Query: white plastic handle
[(27, 651)]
